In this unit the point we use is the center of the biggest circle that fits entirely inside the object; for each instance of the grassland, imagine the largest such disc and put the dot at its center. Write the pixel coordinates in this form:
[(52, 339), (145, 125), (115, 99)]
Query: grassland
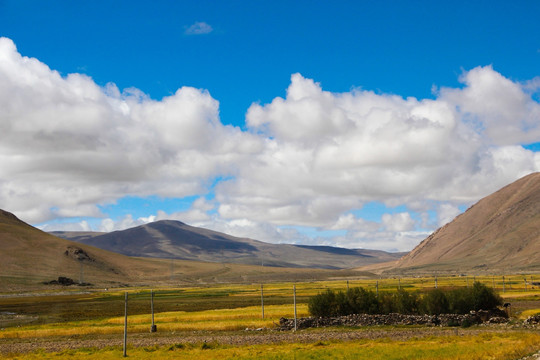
[(211, 321)]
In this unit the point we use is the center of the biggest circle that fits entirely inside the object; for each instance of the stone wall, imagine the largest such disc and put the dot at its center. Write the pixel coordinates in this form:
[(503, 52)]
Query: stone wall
[(395, 319)]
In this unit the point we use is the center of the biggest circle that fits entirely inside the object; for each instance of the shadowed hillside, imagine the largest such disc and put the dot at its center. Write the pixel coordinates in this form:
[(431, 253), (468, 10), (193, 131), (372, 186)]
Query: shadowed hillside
[(500, 233), (174, 239)]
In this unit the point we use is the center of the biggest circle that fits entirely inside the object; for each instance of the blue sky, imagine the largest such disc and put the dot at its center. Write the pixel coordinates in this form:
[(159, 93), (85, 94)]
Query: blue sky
[(305, 122)]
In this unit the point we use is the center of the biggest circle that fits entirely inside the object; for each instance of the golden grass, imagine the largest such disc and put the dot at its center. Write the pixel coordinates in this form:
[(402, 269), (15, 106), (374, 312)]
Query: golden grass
[(525, 314), (209, 320), (485, 346)]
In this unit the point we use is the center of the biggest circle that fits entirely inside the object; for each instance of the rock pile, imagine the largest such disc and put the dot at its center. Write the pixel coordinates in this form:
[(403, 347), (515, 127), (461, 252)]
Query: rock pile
[(533, 320), (65, 281), (394, 319)]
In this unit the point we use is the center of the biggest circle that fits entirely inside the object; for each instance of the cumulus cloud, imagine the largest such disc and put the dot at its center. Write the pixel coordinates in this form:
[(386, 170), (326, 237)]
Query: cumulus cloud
[(310, 159), (446, 213), (327, 152), (199, 28), (400, 222), (67, 144)]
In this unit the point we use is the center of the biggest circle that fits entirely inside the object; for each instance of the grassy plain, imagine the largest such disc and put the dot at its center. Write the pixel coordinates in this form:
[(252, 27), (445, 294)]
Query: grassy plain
[(228, 309)]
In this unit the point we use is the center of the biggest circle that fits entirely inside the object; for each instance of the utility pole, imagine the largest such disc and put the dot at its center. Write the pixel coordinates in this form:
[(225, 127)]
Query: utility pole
[(153, 328), (125, 323)]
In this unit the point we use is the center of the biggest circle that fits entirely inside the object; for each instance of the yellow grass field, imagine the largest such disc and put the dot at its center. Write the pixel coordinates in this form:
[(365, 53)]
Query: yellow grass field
[(227, 310)]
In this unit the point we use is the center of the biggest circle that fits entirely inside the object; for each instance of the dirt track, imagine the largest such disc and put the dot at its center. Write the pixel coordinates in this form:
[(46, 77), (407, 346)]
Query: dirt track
[(16, 346)]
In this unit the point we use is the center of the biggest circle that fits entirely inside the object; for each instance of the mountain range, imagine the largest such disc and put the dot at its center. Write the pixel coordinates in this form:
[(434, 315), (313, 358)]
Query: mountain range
[(174, 239), (31, 258)]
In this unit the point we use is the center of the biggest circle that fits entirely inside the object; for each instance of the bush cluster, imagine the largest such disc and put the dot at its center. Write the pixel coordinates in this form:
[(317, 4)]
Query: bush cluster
[(363, 301)]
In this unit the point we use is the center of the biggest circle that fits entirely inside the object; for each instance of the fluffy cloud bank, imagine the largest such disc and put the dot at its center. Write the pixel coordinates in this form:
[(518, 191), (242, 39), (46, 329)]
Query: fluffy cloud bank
[(67, 145), (310, 159), (326, 153)]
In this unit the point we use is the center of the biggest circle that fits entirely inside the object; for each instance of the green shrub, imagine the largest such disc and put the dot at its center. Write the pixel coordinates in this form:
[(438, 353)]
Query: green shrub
[(484, 298), (435, 302), (362, 301), (405, 302), (386, 303), (323, 304), (460, 301), (478, 297)]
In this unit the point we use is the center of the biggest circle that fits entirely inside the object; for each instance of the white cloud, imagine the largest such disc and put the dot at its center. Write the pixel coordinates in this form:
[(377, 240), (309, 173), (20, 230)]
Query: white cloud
[(400, 222), (75, 226), (327, 153), (446, 213), (68, 145), (199, 28), (501, 109)]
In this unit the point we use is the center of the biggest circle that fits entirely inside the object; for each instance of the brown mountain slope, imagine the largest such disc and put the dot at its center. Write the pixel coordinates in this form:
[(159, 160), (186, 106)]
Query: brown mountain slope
[(499, 233), (29, 257)]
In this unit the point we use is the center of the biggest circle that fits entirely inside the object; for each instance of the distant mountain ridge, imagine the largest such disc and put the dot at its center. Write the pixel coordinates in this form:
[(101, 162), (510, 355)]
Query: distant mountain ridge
[(500, 233), (30, 259), (174, 239)]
